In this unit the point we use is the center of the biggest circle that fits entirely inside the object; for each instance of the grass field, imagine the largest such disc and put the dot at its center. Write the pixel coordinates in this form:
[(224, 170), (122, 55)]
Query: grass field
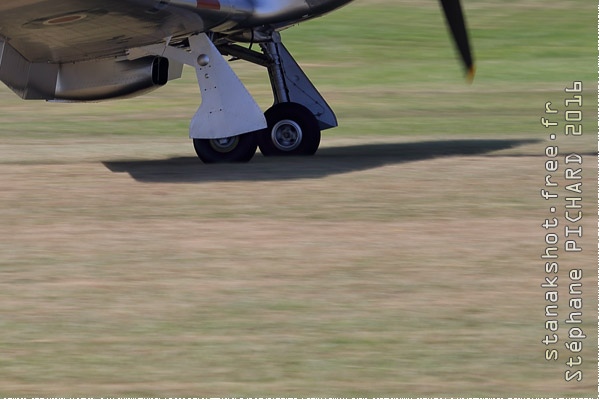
[(403, 260)]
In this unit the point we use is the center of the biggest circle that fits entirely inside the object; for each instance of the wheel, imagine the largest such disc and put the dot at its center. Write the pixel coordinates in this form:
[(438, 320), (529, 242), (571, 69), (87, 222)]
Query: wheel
[(233, 149), (292, 129)]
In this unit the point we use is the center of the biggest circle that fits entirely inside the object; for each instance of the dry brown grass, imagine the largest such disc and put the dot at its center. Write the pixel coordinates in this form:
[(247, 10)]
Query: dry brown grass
[(411, 271)]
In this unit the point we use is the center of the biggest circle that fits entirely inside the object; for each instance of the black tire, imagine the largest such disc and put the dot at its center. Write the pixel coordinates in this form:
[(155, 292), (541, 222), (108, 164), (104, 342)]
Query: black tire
[(235, 149), (292, 129)]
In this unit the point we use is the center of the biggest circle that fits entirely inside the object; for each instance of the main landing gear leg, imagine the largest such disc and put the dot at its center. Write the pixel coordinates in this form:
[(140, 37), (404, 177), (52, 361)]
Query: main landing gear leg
[(299, 113), (223, 127)]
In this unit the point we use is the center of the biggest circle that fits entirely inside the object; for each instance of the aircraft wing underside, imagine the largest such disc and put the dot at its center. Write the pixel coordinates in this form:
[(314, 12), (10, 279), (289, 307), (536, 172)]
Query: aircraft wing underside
[(75, 30)]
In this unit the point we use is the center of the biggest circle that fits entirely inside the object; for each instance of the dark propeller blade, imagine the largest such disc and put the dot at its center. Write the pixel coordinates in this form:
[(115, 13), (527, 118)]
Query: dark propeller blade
[(456, 22)]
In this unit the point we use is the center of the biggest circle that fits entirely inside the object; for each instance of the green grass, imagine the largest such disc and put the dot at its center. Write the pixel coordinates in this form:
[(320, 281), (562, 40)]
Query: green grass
[(387, 68), (399, 65)]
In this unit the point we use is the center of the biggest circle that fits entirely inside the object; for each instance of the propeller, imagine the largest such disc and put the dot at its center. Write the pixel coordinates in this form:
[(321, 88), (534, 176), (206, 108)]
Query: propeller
[(456, 23)]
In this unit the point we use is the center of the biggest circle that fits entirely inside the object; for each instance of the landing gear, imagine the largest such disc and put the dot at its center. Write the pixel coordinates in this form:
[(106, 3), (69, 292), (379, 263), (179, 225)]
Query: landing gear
[(235, 149), (229, 124), (292, 130), (295, 122)]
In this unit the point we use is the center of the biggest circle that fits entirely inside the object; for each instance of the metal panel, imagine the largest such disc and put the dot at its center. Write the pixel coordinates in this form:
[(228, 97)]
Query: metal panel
[(106, 79), (31, 81), (14, 70), (83, 81)]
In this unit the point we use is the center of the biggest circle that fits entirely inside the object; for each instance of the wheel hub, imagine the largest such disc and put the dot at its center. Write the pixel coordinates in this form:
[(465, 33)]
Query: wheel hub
[(224, 145), (286, 135)]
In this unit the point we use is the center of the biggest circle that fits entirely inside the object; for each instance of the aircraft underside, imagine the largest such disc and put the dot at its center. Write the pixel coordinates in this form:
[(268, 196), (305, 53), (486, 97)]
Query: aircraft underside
[(92, 50), (51, 55), (229, 124)]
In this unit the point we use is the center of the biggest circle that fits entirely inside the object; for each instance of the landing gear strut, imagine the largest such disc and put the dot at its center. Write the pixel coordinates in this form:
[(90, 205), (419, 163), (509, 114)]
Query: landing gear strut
[(295, 122)]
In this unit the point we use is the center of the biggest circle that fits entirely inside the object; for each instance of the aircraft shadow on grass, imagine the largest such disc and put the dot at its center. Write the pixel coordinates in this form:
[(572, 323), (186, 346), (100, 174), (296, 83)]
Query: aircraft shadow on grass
[(328, 161)]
